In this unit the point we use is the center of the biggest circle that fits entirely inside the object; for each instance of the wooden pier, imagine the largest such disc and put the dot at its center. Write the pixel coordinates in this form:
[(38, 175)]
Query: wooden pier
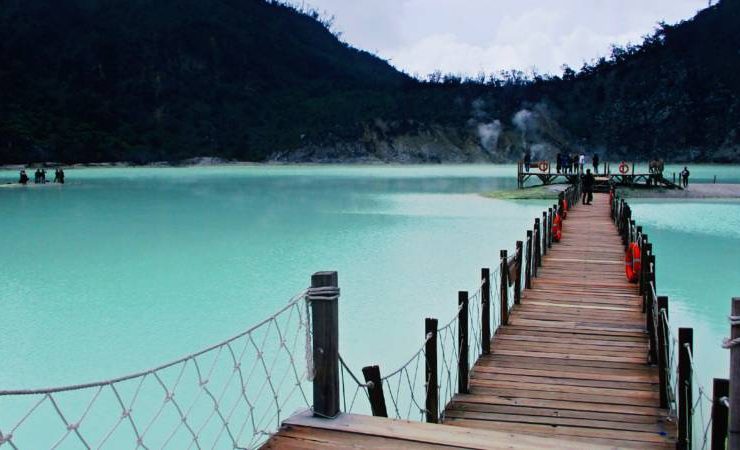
[(581, 358), (572, 360)]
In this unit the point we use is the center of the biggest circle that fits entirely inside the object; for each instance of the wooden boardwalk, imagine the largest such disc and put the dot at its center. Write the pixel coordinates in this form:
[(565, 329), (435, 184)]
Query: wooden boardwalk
[(568, 371), (572, 361)]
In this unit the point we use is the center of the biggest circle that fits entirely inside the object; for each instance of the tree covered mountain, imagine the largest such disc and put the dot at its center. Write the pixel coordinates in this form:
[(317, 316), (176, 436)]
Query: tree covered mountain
[(154, 80)]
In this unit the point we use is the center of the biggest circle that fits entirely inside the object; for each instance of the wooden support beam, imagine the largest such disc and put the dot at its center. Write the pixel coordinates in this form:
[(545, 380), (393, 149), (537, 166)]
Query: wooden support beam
[(323, 296), (518, 280), (720, 413), (375, 390), (537, 242), (545, 231), (685, 388), (430, 355), (486, 311), (504, 288), (463, 364), (528, 259), (663, 351)]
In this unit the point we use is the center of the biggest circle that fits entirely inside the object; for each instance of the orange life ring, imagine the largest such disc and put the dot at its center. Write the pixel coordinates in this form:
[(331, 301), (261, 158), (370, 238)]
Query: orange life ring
[(557, 228), (632, 262), (624, 168), (544, 165)]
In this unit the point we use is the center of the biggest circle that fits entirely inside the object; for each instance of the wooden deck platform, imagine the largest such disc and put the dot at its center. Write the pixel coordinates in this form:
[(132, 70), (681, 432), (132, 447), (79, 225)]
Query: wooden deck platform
[(568, 371), (303, 432), (572, 361)]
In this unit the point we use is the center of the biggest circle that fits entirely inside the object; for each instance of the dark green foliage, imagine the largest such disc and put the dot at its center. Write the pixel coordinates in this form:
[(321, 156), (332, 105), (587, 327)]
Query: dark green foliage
[(150, 80), (142, 80)]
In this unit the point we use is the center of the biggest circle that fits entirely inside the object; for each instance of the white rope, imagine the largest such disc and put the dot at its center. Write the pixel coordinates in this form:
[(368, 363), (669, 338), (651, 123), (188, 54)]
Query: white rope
[(728, 343), (245, 392)]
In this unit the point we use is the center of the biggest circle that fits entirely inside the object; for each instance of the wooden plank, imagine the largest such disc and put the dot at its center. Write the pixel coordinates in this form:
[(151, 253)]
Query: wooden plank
[(555, 412), (601, 424), (600, 391), (419, 432), (638, 439)]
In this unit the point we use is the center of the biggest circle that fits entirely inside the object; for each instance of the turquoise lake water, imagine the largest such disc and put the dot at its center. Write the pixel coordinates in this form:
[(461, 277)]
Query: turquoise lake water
[(123, 269)]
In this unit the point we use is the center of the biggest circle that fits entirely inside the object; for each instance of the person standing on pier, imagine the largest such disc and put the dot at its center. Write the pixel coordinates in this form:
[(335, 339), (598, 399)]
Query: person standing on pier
[(558, 161), (23, 177), (685, 177), (588, 187), (581, 162), (596, 163), (527, 159)]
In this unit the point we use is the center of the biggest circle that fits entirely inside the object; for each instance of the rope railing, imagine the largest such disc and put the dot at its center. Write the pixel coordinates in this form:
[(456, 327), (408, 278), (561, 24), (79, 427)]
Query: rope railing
[(678, 378), (439, 369), (231, 394), (408, 388)]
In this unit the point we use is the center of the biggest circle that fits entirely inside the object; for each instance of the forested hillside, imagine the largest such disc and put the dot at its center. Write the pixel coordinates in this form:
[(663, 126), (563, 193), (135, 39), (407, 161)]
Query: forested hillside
[(252, 80)]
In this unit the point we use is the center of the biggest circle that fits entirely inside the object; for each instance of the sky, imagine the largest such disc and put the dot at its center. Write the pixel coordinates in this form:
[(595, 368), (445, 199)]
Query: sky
[(470, 36)]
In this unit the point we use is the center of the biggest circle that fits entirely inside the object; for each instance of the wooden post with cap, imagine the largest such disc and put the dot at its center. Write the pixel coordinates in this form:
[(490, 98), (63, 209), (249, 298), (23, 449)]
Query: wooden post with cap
[(485, 311), (685, 387), (463, 366), (323, 296), (430, 354), (504, 277), (518, 279)]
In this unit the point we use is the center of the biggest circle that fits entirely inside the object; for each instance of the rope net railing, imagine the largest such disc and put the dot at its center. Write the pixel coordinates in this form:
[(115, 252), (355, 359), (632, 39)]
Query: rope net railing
[(405, 388), (231, 395), (702, 404), (694, 416)]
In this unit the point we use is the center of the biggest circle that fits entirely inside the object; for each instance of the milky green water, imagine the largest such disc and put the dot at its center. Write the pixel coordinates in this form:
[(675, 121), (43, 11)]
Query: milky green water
[(123, 269)]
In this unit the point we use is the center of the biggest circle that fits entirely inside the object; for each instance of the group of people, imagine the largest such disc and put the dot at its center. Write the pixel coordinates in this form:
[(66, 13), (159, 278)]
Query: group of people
[(656, 166), (39, 177), (566, 163), (571, 163)]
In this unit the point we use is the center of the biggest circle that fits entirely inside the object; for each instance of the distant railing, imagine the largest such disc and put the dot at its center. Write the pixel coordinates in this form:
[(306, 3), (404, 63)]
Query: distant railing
[(675, 356)]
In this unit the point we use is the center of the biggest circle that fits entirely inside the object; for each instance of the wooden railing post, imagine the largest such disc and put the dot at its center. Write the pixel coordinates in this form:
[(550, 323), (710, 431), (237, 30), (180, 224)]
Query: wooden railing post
[(528, 268), (643, 265), (549, 227), (685, 387), (545, 232), (651, 262), (323, 296), (518, 280), (463, 366), (720, 413), (375, 390), (734, 426), (537, 250), (430, 354), (662, 351), (486, 311), (651, 321), (504, 288)]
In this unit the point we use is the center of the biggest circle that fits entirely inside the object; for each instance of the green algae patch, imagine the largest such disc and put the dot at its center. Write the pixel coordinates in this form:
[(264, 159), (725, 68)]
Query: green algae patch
[(531, 193)]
